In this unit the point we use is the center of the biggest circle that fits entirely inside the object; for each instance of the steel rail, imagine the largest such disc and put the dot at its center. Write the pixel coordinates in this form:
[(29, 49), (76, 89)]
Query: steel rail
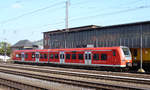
[(18, 85), (89, 75), (71, 81)]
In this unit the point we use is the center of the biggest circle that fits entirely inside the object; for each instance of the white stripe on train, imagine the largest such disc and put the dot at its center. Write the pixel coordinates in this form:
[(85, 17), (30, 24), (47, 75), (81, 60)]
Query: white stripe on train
[(73, 63)]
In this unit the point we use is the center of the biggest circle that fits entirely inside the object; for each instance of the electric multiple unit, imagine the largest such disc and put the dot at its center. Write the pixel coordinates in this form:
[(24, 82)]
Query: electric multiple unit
[(100, 56)]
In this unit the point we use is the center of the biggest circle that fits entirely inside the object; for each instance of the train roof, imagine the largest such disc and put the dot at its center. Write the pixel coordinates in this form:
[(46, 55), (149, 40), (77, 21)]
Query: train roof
[(71, 49)]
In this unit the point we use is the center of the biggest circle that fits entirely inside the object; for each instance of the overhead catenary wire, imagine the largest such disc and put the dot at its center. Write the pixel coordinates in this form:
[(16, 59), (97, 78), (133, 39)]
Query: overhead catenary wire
[(118, 6), (28, 13), (93, 16), (17, 17), (112, 7), (31, 12), (111, 13), (97, 15), (85, 17)]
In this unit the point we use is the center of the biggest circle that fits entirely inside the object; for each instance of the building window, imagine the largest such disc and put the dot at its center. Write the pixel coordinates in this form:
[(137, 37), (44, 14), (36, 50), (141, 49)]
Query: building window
[(96, 57), (103, 56), (67, 56), (80, 56), (73, 56), (45, 42)]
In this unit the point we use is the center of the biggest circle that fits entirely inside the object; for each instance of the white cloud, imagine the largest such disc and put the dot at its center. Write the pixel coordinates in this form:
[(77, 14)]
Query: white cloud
[(16, 5)]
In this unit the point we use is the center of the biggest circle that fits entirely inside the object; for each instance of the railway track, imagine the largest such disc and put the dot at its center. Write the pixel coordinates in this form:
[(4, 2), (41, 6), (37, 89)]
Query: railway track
[(92, 79), (15, 85), (135, 78)]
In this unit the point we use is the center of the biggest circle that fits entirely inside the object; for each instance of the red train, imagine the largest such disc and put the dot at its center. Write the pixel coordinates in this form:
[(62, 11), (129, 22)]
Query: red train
[(101, 56)]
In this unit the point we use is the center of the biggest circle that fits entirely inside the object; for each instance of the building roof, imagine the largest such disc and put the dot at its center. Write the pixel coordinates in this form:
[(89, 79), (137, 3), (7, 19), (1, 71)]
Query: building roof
[(127, 24), (94, 26), (74, 29), (23, 43)]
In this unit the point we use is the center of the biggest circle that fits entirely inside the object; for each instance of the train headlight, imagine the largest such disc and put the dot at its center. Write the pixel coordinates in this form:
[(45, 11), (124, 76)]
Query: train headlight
[(129, 64)]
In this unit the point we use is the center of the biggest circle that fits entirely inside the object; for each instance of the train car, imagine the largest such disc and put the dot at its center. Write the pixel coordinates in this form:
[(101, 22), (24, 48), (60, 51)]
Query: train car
[(136, 53), (24, 56), (101, 56)]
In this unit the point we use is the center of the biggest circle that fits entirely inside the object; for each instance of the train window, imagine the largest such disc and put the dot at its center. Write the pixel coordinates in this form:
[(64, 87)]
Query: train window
[(33, 55), (17, 56), (103, 56), (89, 56), (96, 57), (61, 56), (51, 56), (56, 56), (41, 56), (26, 55), (67, 56), (135, 52), (80, 56), (126, 51), (86, 56), (114, 53), (45, 56), (22, 55), (73, 56), (37, 55)]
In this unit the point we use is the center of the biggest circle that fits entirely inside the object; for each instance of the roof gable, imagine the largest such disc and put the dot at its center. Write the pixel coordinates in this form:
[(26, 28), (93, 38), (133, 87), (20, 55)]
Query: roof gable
[(23, 43)]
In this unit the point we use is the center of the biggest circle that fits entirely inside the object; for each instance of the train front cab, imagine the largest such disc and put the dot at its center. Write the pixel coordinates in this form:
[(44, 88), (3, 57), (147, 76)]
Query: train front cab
[(16, 56), (126, 59)]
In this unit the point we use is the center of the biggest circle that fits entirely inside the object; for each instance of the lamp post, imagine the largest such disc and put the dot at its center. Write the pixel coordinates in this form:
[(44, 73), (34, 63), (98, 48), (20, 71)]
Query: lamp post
[(141, 53)]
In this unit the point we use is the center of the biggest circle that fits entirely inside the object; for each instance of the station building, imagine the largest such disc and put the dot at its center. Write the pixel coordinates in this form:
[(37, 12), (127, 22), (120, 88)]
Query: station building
[(129, 35)]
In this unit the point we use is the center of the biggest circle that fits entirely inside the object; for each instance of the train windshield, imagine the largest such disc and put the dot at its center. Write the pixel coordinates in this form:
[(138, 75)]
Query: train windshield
[(126, 51)]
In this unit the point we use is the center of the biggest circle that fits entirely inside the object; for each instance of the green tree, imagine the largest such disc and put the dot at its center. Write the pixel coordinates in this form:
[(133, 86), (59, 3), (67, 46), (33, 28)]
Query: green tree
[(5, 46)]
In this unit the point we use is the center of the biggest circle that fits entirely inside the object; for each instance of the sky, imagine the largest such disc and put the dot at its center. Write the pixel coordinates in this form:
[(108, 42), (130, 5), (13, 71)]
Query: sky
[(28, 19)]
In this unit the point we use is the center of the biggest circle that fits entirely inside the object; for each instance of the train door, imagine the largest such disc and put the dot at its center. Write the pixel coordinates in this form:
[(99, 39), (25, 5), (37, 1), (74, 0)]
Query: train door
[(33, 56), (87, 57), (37, 55), (62, 57), (114, 57), (22, 56)]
